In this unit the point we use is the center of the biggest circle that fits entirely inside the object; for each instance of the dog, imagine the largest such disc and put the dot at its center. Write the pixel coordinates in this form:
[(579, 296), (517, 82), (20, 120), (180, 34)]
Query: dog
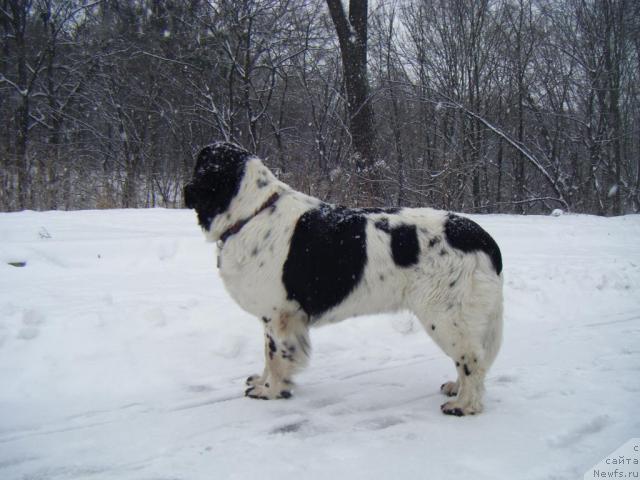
[(294, 261)]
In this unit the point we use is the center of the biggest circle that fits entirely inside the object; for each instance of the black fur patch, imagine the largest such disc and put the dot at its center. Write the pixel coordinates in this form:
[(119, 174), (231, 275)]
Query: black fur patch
[(288, 352), (375, 210), (272, 346), (326, 260), (405, 248), (285, 394), (466, 235), (383, 224), (216, 180), (404, 245), (452, 411)]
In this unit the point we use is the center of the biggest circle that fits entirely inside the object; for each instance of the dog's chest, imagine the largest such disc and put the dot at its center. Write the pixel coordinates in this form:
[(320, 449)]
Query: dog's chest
[(250, 265)]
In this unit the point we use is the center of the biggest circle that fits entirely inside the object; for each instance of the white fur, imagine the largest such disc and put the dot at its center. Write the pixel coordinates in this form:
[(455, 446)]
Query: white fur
[(467, 317)]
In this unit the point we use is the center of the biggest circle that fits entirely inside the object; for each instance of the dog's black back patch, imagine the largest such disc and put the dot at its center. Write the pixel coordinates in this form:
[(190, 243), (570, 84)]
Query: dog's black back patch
[(405, 248), (216, 180), (375, 210), (468, 236), (327, 257)]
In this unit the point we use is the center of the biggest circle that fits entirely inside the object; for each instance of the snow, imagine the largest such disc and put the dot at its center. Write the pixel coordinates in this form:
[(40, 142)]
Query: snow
[(613, 190), (122, 357)]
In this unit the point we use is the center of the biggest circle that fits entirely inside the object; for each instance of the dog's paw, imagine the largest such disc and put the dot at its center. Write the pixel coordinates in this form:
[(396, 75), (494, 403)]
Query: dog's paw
[(266, 392), (256, 392), (450, 389), (458, 409), (254, 380)]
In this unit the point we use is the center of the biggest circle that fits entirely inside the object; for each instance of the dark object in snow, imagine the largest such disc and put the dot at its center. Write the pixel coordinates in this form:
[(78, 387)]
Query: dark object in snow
[(17, 264)]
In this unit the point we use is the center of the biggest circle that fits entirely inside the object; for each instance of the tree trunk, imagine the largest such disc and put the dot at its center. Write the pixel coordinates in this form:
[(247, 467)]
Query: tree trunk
[(614, 22), (22, 112), (352, 37)]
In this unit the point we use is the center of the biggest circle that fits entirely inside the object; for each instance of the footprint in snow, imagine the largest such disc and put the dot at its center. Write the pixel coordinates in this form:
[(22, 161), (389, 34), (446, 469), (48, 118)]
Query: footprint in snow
[(288, 428), (199, 388), (574, 435), (506, 378), (31, 320), (28, 333), (379, 423), (167, 250)]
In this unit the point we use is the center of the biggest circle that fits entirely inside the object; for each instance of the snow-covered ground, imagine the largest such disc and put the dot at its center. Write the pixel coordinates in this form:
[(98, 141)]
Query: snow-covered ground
[(122, 357)]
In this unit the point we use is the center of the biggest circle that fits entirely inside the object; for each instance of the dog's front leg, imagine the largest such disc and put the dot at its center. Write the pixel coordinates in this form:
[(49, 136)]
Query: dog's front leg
[(286, 350)]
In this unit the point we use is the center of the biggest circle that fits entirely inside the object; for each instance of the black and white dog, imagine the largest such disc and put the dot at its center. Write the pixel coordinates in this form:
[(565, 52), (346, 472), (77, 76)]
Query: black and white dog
[(294, 262)]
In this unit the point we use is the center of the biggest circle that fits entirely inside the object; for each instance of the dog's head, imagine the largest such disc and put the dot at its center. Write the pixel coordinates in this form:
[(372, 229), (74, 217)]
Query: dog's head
[(216, 180)]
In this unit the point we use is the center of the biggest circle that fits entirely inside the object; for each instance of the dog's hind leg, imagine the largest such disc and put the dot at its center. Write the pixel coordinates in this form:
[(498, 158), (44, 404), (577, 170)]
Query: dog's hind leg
[(468, 328), (456, 338), (287, 350), (446, 328)]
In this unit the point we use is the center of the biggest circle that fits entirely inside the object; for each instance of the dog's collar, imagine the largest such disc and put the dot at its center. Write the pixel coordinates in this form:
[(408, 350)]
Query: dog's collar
[(236, 227)]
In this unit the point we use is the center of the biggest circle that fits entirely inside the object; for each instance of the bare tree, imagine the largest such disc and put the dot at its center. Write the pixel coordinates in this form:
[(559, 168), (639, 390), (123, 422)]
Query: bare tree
[(480, 105), (351, 29)]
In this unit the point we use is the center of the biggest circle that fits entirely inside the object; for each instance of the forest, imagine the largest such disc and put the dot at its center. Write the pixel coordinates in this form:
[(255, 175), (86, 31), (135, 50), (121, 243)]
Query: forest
[(479, 106)]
